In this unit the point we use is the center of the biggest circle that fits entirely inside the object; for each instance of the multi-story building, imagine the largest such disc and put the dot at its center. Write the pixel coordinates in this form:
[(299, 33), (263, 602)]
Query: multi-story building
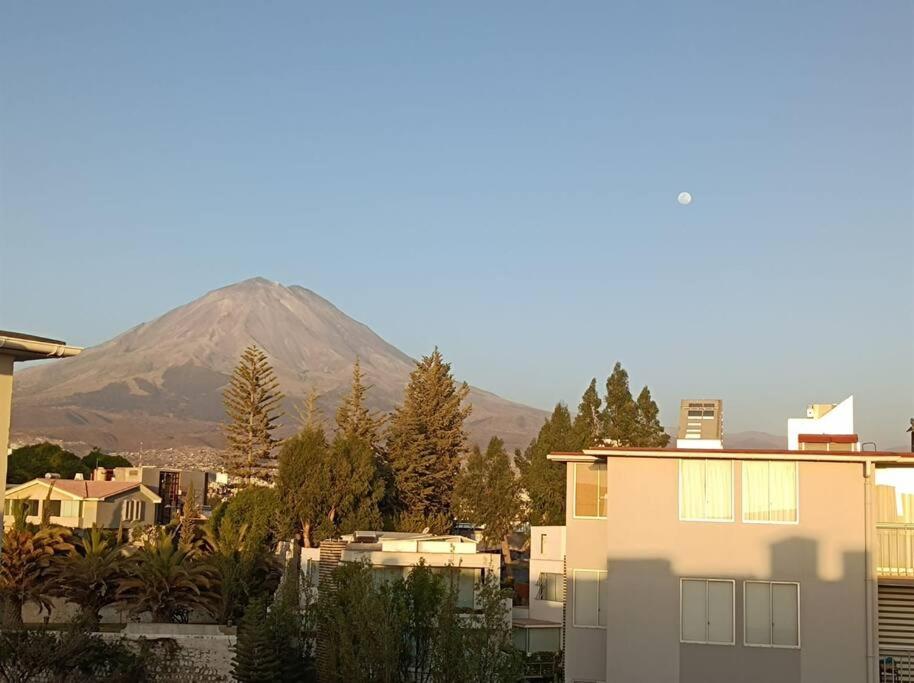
[(170, 484), (538, 626), (701, 423), (719, 565)]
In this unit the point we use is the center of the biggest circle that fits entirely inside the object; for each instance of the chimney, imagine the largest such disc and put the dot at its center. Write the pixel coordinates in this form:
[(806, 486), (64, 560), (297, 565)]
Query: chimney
[(78, 476)]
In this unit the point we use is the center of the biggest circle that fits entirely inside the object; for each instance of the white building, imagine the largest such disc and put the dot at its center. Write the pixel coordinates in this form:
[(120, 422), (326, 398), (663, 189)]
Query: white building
[(538, 628), (822, 422)]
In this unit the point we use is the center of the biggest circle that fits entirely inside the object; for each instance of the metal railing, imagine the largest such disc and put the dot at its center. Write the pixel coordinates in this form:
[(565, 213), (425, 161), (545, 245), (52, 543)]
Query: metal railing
[(895, 550), (896, 665)]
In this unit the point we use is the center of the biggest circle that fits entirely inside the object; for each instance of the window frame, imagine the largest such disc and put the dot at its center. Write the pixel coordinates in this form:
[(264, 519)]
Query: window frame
[(541, 586), (771, 645), (732, 518), (742, 483), (574, 609), (574, 490), (134, 510), (732, 583)]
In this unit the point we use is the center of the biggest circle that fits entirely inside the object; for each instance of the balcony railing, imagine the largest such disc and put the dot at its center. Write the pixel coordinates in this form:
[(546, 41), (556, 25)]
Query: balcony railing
[(896, 665), (895, 554)]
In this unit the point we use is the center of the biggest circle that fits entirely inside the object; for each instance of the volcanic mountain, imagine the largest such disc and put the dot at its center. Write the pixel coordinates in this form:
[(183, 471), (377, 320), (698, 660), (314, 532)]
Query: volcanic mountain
[(160, 384)]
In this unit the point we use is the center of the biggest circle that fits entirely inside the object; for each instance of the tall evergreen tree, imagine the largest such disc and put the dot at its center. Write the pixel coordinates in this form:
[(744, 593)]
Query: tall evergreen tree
[(543, 479), (252, 405), (620, 415), (303, 484), (426, 439), (650, 431), (353, 418), (487, 493), (588, 423), (256, 659), (190, 517)]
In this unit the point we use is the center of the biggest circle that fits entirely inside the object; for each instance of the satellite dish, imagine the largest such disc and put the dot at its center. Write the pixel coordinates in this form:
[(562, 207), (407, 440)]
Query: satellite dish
[(684, 198)]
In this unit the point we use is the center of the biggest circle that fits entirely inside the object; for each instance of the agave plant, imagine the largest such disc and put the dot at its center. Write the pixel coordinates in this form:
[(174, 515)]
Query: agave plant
[(92, 571), (30, 569), (168, 580)]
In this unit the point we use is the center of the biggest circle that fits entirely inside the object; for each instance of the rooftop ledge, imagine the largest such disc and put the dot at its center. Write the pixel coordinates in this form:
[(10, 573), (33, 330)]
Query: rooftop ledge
[(603, 452)]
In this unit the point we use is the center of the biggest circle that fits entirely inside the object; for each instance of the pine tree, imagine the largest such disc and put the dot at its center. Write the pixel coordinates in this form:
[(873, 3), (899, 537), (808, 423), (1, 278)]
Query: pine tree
[(190, 517), (308, 416), (620, 415), (353, 418), (256, 659), (426, 439), (252, 404), (487, 493), (650, 431), (543, 479), (588, 424)]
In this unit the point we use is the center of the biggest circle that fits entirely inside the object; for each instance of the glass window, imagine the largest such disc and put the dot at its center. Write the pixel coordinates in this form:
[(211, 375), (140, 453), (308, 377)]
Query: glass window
[(589, 594), (772, 614), (590, 489), (133, 510), (53, 507), (706, 611), (551, 587), (706, 490), (770, 491), (466, 578)]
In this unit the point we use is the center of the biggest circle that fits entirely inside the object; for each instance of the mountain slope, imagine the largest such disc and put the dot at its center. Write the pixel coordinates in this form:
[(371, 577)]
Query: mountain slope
[(160, 383)]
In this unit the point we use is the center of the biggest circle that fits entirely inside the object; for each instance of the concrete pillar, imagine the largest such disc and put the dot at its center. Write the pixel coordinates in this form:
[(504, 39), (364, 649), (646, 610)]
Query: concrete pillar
[(6, 402)]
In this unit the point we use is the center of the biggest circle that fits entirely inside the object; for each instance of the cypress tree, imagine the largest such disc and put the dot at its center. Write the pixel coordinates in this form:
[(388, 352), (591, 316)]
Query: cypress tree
[(190, 517), (620, 415), (256, 659), (303, 484), (252, 402), (543, 479), (588, 423), (426, 440), (650, 431)]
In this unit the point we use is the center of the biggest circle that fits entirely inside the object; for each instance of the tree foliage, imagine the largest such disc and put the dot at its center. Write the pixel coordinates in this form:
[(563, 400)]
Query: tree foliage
[(35, 460), (96, 458), (252, 405), (256, 659), (91, 571), (487, 492), (426, 439), (30, 568), (353, 418), (543, 479)]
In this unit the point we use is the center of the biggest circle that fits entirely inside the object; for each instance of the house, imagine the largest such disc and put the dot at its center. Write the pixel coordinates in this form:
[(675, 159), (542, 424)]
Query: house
[(81, 504), (392, 555), (170, 484), (538, 627), (706, 565)]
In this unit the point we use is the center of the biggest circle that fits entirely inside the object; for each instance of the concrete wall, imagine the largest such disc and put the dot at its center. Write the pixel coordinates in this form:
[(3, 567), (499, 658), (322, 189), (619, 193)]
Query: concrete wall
[(547, 554), (839, 420)]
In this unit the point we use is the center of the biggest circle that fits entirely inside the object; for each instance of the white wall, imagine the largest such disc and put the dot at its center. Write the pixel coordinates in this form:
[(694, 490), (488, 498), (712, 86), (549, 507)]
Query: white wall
[(547, 554), (839, 420)]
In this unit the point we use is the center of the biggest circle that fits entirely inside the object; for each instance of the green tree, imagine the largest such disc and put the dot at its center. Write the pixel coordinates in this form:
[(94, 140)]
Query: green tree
[(620, 415), (357, 485), (91, 571), (95, 458), (252, 405), (258, 509), (303, 484), (168, 581), (353, 418), (190, 517), (30, 569), (256, 659), (426, 439), (650, 432), (33, 461), (588, 423), (543, 479), (487, 493)]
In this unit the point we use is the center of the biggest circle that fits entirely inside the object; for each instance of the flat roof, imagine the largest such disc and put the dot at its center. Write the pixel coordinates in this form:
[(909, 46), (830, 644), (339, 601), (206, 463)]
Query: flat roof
[(597, 452)]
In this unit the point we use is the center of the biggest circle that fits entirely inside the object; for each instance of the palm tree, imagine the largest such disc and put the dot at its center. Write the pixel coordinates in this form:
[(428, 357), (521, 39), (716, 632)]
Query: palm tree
[(30, 569), (91, 572), (245, 568), (169, 580)]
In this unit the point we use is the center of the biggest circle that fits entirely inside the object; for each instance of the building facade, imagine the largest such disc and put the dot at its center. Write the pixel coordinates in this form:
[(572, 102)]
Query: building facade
[(706, 566), (538, 626)]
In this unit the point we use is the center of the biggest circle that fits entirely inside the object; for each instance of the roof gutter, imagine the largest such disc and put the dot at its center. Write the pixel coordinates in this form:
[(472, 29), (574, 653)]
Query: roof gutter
[(33, 349)]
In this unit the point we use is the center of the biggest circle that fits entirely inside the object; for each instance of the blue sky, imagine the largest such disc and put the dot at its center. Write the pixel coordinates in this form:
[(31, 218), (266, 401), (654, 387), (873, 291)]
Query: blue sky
[(497, 180)]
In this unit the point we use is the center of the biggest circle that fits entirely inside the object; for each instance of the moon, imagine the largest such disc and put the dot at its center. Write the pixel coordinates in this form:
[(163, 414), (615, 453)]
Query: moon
[(684, 198)]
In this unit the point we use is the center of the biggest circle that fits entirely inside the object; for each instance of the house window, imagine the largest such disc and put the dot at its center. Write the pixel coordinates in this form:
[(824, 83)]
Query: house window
[(706, 490), (772, 610), (133, 510), (706, 611), (466, 579), (53, 507), (589, 595), (590, 490), (550, 587), (770, 491), (70, 508)]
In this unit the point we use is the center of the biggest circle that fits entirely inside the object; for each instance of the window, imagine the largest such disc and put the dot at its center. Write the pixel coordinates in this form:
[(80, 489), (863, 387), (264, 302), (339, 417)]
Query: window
[(772, 613), (466, 578), (542, 544), (589, 595), (133, 510), (70, 508), (550, 587), (770, 492), (30, 506), (706, 611), (53, 507), (590, 490), (706, 490)]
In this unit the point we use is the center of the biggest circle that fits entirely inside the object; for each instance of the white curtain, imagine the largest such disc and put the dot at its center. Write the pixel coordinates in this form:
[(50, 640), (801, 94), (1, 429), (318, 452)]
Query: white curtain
[(692, 489), (586, 490), (755, 491), (719, 489), (782, 491)]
